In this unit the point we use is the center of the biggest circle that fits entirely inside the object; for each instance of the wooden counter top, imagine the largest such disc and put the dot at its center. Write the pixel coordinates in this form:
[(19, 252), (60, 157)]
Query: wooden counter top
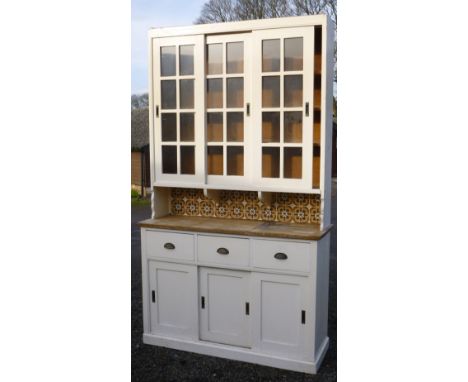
[(237, 227)]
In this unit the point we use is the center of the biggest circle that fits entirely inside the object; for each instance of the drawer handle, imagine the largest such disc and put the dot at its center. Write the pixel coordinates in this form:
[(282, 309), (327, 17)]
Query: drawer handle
[(169, 246), (223, 251), (281, 256)]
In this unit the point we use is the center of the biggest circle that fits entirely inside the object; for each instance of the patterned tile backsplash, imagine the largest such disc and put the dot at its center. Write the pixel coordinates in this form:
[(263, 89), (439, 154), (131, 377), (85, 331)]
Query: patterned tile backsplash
[(284, 207)]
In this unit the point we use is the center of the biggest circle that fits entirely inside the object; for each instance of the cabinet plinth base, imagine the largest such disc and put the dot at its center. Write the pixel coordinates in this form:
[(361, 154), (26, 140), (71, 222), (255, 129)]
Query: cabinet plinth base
[(239, 354)]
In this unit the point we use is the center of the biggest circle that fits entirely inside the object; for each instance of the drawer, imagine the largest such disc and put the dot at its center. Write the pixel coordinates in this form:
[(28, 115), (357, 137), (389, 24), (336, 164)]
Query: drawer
[(212, 249), (169, 245), (281, 255)]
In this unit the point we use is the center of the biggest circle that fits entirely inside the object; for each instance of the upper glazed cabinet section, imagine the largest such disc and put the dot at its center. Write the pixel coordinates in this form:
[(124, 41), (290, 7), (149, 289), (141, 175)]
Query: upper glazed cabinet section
[(238, 110)]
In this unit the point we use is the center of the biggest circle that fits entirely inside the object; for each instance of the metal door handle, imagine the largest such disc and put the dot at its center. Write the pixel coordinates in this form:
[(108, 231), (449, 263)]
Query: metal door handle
[(281, 256), (169, 246), (153, 295), (247, 107), (223, 251), (307, 109)]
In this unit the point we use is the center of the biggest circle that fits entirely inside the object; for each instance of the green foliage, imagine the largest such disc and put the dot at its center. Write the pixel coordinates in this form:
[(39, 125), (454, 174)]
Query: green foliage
[(139, 101), (137, 200)]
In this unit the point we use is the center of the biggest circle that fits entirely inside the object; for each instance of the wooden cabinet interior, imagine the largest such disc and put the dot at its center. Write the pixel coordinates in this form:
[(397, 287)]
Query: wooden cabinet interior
[(215, 160), (317, 106)]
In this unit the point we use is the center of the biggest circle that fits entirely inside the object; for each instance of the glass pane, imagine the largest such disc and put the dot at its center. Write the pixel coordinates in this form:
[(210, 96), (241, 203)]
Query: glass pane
[(293, 126), (293, 53), (168, 127), (169, 159), (293, 91), (215, 58), (235, 160), (214, 92), (235, 92), (293, 162), (270, 162), (271, 55), (168, 94), (187, 127), (235, 57), (316, 171), (271, 91), (186, 94), (186, 60), (215, 127), (215, 160), (235, 127), (168, 66), (187, 159), (270, 127)]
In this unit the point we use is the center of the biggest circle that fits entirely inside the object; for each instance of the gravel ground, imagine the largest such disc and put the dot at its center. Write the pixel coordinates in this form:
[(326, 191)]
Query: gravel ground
[(152, 363)]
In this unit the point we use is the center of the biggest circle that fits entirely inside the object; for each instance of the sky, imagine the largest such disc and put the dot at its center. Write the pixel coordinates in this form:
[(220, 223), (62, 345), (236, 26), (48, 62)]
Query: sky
[(155, 13)]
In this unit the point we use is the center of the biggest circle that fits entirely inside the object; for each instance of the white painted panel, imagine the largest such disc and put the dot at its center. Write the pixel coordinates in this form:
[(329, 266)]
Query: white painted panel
[(238, 249), (321, 299), (298, 255), (223, 318), (174, 309), (172, 306), (280, 313), (183, 245), (278, 302)]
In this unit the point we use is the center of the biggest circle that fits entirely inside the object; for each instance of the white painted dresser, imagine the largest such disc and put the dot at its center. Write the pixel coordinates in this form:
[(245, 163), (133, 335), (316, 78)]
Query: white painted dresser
[(235, 257)]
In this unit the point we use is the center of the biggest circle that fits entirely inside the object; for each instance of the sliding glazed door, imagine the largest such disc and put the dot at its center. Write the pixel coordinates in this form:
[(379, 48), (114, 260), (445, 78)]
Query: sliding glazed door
[(228, 133), (178, 89), (283, 83)]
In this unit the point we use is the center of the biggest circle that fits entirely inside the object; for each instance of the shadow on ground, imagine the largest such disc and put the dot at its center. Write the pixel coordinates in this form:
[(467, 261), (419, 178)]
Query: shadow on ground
[(152, 363)]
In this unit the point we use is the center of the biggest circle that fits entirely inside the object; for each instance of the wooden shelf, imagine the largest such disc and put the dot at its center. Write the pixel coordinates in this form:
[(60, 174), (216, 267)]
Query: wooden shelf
[(236, 187)]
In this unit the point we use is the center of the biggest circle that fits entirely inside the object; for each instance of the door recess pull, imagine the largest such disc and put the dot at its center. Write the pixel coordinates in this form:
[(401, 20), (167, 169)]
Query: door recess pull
[(203, 302), (153, 296), (281, 256), (303, 317), (248, 109), (157, 111), (307, 109), (169, 246), (223, 251), (247, 309)]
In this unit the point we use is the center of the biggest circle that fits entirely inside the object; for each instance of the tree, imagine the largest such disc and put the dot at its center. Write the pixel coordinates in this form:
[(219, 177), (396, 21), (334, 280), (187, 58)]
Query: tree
[(217, 11), (139, 101)]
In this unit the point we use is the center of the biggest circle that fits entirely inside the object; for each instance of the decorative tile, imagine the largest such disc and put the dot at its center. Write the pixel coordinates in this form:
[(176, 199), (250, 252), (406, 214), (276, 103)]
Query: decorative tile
[(284, 214), (236, 211), (268, 213), (284, 207)]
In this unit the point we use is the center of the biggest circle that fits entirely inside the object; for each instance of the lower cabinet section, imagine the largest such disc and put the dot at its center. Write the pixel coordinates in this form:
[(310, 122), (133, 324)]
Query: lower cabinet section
[(268, 316), (225, 306), (173, 299)]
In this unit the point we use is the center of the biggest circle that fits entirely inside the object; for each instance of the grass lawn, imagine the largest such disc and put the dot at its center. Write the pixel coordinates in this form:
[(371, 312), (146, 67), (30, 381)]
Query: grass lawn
[(138, 201)]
